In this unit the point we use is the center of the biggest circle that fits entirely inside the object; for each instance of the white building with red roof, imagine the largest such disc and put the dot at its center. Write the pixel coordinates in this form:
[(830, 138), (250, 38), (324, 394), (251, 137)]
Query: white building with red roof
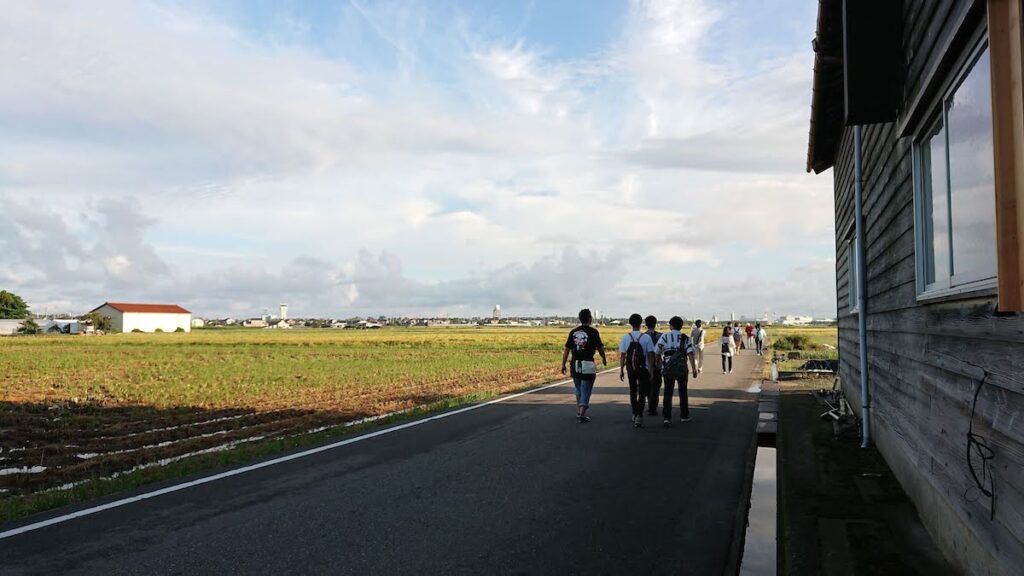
[(125, 317)]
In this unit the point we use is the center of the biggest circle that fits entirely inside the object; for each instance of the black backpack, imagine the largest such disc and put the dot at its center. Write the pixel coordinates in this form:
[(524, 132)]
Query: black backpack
[(636, 358), (675, 362)]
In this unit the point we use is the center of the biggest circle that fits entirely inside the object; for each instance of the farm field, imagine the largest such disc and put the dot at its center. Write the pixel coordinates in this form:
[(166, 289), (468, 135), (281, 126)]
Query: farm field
[(797, 344), (74, 409), (85, 416), (826, 338)]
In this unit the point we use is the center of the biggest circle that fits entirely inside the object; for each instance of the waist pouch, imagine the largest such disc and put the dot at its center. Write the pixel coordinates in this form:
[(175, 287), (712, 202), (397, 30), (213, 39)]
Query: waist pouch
[(585, 367)]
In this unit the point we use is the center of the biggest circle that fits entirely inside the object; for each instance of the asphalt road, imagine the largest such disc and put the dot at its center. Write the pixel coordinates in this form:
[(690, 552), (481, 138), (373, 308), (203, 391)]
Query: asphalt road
[(512, 488)]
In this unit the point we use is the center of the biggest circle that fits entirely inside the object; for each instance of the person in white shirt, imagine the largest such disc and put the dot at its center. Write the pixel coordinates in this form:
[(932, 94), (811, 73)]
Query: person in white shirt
[(728, 344), (760, 335), (636, 358), (668, 347), (697, 337)]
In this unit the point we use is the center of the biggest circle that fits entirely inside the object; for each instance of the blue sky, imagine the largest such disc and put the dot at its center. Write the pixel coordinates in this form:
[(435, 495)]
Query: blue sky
[(412, 157)]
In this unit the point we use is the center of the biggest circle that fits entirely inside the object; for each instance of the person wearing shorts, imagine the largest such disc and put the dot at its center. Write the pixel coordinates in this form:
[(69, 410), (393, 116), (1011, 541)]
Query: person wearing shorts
[(583, 341)]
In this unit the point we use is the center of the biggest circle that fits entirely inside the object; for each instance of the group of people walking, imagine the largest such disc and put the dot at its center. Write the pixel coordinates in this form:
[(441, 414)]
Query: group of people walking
[(650, 361), (747, 337)]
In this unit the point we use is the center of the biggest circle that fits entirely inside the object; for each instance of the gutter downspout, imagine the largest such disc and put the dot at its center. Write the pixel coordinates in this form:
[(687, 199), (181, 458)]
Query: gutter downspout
[(862, 318)]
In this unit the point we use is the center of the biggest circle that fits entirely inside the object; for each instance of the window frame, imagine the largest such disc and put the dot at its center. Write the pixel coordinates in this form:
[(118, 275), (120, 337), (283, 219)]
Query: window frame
[(953, 284)]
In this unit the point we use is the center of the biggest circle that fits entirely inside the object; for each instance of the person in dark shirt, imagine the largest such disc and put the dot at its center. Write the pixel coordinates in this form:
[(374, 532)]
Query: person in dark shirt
[(652, 398), (582, 343)]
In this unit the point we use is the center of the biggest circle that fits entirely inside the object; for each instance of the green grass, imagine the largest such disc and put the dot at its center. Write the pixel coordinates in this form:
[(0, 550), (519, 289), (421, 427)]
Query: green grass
[(821, 337), (818, 342), (264, 369)]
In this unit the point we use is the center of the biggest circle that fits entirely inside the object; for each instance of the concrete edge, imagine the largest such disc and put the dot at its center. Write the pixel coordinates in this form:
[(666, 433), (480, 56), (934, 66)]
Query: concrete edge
[(739, 529)]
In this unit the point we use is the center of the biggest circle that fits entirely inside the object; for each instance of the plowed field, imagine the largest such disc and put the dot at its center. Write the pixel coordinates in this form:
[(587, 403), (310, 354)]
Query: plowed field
[(76, 409)]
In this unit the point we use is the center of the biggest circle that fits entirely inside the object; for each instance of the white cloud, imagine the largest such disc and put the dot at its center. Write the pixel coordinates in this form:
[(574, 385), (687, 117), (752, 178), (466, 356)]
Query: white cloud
[(480, 169)]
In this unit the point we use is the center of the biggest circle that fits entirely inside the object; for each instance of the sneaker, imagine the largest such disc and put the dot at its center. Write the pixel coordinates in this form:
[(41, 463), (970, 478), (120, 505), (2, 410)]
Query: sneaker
[(667, 423), (584, 419), (687, 419)]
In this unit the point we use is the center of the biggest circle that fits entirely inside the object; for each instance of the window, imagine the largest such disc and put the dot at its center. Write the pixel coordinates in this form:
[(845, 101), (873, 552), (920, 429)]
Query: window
[(852, 280), (955, 189)]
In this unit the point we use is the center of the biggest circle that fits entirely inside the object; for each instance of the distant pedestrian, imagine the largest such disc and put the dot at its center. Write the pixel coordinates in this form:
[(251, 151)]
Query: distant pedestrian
[(652, 397), (749, 330), (737, 336), (582, 342), (697, 337), (728, 344), (673, 351), (636, 358), (760, 336)]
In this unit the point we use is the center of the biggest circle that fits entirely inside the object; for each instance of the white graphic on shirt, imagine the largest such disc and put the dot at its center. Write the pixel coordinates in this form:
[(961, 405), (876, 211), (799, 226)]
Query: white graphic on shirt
[(579, 339)]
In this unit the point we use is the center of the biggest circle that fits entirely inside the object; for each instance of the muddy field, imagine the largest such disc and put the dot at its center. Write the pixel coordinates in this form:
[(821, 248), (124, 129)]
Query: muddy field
[(77, 409)]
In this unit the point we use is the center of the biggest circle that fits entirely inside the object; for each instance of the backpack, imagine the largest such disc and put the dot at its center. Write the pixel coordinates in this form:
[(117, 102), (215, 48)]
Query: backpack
[(675, 363), (636, 358)]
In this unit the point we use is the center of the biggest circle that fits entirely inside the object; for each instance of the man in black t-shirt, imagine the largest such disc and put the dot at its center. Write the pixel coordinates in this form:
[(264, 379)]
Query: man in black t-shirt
[(655, 390), (582, 343)]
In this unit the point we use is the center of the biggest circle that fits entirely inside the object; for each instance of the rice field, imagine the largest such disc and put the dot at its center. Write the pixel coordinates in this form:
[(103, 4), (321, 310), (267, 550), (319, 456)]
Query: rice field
[(88, 415), (77, 409)]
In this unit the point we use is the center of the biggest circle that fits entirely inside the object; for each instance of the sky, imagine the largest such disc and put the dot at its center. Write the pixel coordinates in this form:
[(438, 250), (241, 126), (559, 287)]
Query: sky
[(413, 158)]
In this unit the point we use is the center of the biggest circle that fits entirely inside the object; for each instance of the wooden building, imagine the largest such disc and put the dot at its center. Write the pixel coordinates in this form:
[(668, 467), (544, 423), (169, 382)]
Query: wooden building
[(942, 171)]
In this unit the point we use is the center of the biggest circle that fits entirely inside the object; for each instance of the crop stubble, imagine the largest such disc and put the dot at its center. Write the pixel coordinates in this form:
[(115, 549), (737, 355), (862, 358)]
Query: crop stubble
[(78, 408)]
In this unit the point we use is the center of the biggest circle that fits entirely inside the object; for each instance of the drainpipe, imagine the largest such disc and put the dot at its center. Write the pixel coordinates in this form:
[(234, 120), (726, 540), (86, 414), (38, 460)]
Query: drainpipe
[(862, 316)]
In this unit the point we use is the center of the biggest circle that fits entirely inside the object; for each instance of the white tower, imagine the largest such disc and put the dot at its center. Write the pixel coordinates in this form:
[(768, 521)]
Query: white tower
[(497, 312), (284, 312)]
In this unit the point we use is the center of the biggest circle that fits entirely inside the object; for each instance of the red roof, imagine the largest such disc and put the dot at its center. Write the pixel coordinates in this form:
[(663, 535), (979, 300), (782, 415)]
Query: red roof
[(149, 308)]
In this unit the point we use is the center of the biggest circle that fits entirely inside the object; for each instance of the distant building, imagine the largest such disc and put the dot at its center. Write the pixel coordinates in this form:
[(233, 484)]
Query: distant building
[(198, 323), (126, 317), (61, 326), (496, 315), (795, 320), (254, 323), (283, 313), (9, 327)]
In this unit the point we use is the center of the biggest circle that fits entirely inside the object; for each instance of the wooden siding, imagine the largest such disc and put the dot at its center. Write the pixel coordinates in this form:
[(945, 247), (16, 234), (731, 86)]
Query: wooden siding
[(927, 358)]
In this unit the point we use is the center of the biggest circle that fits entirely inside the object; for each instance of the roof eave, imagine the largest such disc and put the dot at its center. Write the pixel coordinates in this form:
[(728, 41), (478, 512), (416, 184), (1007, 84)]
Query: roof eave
[(827, 88)]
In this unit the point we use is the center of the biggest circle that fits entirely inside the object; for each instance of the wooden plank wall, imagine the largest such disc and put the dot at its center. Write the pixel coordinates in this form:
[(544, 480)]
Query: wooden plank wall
[(926, 359)]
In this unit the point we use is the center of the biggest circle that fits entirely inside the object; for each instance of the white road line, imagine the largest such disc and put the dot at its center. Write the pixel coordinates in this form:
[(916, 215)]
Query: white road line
[(243, 470)]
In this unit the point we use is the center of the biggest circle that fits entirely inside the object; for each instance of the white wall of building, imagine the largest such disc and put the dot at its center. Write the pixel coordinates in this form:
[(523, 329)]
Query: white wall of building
[(150, 322), (9, 327), (145, 321)]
